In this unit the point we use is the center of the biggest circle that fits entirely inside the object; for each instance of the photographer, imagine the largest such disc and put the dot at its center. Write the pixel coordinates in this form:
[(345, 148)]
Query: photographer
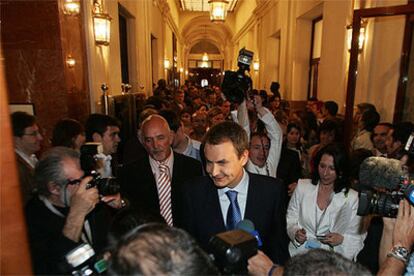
[(65, 213)]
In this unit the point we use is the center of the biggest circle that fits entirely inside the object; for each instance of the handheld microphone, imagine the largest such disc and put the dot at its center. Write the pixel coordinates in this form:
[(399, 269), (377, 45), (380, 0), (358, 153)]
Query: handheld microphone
[(248, 226), (381, 173)]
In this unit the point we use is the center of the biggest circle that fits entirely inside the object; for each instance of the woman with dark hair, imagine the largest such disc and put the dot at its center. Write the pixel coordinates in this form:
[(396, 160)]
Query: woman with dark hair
[(68, 133), (322, 210)]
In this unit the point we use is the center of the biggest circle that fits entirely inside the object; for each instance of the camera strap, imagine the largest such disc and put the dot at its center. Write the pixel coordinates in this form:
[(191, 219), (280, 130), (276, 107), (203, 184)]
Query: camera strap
[(86, 231)]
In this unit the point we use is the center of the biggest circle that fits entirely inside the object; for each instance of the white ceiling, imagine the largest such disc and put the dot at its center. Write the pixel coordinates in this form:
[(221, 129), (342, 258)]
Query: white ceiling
[(202, 5)]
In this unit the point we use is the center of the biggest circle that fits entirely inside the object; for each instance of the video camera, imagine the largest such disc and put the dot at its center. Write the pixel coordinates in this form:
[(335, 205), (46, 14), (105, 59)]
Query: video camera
[(90, 164), (386, 184), (236, 86)]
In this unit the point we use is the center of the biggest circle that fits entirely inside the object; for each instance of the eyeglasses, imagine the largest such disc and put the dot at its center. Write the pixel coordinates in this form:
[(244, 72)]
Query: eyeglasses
[(34, 133)]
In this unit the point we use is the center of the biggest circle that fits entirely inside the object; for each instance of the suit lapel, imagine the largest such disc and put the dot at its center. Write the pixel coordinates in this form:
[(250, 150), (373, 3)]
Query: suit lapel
[(213, 201), (252, 197)]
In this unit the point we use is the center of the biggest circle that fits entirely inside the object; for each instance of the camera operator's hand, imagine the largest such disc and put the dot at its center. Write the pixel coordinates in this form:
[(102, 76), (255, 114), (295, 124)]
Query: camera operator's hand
[(115, 201), (259, 264), (82, 201), (403, 234), (333, 239), (300, 236)]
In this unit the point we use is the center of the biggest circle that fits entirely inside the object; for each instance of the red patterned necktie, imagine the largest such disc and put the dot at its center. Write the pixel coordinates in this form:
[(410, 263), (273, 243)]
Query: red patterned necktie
[(164, 193)]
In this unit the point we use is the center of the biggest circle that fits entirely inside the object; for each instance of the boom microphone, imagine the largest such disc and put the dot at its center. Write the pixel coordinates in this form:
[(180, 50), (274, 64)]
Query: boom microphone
[(248, 226), (381, 173)]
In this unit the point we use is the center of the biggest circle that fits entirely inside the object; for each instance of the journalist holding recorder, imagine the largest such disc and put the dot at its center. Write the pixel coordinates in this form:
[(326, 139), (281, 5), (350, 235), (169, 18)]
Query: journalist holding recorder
[(66, 212), (322, 212)]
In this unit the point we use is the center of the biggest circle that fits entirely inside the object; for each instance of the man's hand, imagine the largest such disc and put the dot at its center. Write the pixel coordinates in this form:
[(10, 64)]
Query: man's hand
[(115, 201), (259, 264), (84, 200), (404, 226)]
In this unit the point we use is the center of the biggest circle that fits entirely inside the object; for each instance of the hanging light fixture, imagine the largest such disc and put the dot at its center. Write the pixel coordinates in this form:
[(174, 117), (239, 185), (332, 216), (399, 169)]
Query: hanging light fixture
[(101, 23), (218, 10), (205, 57), (167, 64), (361, 38), (71, 7)]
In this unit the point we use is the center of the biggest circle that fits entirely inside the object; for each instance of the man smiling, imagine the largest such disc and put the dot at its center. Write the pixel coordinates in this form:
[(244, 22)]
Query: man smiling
[(217, 202)]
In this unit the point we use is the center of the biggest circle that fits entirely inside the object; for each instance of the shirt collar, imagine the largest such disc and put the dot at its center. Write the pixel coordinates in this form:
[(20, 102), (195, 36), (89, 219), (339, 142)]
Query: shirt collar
[(169, 161), (30, 159), (241, 188)]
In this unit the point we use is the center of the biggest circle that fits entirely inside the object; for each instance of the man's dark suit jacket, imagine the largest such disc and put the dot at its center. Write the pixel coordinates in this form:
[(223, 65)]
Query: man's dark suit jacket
[(48, 244), (138, 184), (265, 207), (26, 174)]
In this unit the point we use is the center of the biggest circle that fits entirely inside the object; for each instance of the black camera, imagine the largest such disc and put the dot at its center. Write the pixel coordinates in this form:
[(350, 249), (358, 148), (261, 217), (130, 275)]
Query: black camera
[(90, 165), (236, 86), (385, 183), (232, 249), (384, 204)]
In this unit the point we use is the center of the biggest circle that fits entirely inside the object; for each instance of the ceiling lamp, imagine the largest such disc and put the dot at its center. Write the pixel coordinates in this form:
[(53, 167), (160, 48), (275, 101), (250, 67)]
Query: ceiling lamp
[(218, 10), (101, 23), (71, 7), (205, 57)]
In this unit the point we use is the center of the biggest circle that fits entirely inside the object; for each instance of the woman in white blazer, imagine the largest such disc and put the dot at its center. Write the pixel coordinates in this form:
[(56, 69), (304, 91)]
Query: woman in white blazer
[(322, 210)]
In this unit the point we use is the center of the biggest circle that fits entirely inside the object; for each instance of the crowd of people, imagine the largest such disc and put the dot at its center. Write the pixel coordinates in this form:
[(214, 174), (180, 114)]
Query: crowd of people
[(197, 166)]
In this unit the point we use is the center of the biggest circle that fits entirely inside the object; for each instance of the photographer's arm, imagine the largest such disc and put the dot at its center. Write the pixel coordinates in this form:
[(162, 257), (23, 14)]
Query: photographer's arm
[(82, 202), (403, 236), (241, 117)]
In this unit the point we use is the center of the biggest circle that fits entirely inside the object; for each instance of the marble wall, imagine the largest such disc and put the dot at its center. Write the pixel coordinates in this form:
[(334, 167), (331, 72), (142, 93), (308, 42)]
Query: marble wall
[(36, 39)]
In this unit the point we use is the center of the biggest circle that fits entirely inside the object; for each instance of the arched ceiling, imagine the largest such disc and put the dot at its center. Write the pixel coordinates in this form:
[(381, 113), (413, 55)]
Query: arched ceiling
[(200, 29), (204, 47)]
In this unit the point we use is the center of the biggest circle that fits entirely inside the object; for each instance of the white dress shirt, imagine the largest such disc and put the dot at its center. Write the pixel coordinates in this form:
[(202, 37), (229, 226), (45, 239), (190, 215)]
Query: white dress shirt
[(30, 160), (241, 190)]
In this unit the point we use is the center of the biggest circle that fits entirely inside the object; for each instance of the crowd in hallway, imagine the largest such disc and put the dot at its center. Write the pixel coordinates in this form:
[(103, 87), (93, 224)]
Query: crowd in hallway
[(200, 164)]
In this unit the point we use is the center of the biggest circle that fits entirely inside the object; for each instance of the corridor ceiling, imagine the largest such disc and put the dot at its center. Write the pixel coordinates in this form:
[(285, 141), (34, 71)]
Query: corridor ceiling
[(202, 5)]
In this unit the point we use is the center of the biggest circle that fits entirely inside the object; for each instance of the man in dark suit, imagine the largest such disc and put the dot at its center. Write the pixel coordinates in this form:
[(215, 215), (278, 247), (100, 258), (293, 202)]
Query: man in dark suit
[(152, 183), (27, 141), (214, 203)]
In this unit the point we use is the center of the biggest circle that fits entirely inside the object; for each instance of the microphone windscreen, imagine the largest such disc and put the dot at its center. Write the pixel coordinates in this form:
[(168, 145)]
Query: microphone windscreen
[(245, 225), (380, 172)]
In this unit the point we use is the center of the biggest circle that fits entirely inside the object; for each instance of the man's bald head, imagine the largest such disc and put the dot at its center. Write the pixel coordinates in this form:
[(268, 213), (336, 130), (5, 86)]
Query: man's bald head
[(156, 137)]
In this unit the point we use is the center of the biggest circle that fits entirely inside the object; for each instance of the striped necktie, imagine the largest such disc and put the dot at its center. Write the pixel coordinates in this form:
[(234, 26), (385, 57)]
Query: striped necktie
[(164, 193), (233, 214)]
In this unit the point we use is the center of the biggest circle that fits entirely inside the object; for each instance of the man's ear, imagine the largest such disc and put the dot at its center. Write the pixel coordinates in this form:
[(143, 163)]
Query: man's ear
[(53, 188), (96, 137), (244, 157)]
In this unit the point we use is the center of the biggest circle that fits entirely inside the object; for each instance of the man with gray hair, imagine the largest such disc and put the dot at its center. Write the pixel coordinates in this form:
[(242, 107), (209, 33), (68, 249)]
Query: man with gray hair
[(65, 213), (151, 184), (156, 249)]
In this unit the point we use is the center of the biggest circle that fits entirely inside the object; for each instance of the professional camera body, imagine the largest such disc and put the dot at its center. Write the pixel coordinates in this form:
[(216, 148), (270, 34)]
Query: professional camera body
[(232, 249), (386, 182), (236, 86), (386, 203), (90, 164)]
